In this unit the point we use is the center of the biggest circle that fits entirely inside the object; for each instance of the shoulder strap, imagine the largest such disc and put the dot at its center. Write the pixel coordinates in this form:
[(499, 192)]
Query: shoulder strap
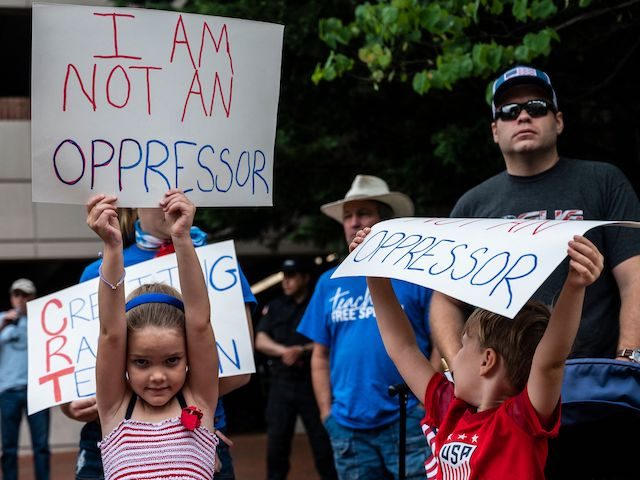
[(131, 406), (181, 400), (134, 397)]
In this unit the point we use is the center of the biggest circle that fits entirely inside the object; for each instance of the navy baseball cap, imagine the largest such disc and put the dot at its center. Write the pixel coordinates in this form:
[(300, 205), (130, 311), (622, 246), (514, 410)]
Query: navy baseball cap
[(296, 265), (521, 75)]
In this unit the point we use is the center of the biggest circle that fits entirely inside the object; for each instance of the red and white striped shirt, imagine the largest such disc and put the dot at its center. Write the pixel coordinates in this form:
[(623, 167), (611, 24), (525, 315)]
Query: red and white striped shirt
[(431, 463), (137, 450)]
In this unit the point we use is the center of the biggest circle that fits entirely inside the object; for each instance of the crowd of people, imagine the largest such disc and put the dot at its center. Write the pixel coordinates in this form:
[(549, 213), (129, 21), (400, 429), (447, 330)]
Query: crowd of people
[(336, 345)]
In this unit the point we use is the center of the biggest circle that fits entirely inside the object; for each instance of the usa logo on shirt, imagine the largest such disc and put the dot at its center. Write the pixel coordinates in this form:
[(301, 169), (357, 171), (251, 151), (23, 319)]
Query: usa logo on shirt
[(455, 460)]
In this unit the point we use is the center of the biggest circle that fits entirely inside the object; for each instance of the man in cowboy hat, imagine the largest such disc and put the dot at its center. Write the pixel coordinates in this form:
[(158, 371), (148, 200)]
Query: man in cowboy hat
[(13, 387), (350, 368)]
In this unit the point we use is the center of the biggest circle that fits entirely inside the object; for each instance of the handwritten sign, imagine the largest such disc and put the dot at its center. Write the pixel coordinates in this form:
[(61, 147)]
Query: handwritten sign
[(132, 102), (64, 326), (496, 264)]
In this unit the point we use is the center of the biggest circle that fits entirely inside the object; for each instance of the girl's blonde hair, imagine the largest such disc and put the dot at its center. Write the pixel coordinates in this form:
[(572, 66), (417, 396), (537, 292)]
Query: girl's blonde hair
[(127, 218), (155, 314)]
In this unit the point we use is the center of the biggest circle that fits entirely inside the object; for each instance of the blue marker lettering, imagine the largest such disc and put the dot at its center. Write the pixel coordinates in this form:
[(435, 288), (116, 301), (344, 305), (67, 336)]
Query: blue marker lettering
[(256, 171), (204, 167), (475, 263), (506, 262), (235, 360), (178, 165), (154, 166), (231, 271), (507, 279)]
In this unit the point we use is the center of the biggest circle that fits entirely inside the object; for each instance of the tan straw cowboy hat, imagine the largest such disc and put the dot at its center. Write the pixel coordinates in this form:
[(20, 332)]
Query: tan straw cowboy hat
[(367, 187)]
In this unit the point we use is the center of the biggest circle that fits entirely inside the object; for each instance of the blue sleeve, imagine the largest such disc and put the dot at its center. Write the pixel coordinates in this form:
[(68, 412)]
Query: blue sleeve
[(8, 333), (247, 295), (426, 303), (91, 271), (313, 324), (416, 300)]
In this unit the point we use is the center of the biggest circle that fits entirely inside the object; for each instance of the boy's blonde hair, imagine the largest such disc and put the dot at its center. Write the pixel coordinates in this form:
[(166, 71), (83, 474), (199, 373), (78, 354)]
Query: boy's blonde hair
[(155, 314), (514, 340)]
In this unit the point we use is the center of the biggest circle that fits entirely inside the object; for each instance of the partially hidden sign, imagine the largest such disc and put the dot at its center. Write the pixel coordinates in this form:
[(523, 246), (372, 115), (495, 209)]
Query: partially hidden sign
[(496, 264), (132, 102), (63, 327)]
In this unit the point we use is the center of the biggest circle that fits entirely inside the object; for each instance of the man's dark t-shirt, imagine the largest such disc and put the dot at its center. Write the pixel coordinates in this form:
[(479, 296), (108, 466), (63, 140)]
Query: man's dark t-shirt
[(571, 190)]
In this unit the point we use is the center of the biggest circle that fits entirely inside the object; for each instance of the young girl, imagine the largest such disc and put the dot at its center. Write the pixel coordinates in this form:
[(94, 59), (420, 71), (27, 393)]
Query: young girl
[(495, 421), (156, 355), (148, 236)]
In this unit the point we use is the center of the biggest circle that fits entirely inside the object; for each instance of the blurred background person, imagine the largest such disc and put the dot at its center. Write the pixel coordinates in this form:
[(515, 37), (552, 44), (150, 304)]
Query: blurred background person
[(13, 387), (291, 391)]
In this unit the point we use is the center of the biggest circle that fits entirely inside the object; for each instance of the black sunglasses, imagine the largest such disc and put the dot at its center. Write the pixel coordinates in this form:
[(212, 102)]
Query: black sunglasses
[(535, 108)]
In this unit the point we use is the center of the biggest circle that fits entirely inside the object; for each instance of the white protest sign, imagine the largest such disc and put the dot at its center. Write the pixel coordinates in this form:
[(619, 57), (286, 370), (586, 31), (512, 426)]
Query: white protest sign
[(496, 264), (64, 326), (133, 102)]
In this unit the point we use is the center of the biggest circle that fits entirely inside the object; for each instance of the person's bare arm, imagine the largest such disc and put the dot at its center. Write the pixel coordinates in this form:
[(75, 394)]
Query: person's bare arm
[(111, 386), (289, 354), (82, 410), (321, 378), (399, 338), (627, 275), (202, 379), (267, 345), (396, 331), (547, 368), (10, 318), (446, 319)]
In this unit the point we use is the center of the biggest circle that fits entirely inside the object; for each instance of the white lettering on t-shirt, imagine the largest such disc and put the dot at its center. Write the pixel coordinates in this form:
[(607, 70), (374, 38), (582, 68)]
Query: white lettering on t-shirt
[(572, 214), (345, 307)]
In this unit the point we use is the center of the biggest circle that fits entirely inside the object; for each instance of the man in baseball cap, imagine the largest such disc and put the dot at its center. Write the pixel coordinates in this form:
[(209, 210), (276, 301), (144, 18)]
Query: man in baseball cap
[(13, 387), (23, 285), (539, 184), (291, 391), (522, 76), (349, 366)]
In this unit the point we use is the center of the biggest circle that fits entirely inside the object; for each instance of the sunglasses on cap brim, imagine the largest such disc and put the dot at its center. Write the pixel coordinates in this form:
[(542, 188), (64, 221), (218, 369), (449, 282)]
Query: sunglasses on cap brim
[(535, 108)]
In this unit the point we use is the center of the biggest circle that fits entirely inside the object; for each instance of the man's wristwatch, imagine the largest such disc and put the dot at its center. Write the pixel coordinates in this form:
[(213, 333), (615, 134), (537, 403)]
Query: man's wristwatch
[(632, 354)]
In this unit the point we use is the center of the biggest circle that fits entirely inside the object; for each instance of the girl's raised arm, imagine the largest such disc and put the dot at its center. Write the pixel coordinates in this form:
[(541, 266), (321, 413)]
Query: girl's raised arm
[(202, 380), (111, 386)]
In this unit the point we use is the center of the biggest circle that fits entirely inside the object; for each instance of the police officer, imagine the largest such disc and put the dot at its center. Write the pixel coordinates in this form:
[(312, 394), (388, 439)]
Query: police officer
[(291, 391)]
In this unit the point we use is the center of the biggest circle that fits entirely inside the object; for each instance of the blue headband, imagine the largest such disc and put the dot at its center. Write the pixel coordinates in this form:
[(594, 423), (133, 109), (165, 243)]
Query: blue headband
[(153, 298)]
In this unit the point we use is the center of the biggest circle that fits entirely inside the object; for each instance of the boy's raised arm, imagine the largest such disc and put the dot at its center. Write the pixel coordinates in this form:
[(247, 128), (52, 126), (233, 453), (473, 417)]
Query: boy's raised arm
[(397, 333), (102, 218), (201, 346), (547, 368)]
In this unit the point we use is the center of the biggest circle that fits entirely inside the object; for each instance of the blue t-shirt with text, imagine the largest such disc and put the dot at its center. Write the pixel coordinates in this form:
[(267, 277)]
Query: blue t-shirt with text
[(341, 317)]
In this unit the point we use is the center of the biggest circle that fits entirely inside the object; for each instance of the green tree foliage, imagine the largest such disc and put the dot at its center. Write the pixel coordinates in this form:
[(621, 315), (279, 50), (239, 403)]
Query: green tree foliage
[(435, 44)]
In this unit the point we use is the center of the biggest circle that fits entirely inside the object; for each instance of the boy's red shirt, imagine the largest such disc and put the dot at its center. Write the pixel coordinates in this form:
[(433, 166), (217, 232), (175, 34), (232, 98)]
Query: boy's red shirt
[(505, 442)]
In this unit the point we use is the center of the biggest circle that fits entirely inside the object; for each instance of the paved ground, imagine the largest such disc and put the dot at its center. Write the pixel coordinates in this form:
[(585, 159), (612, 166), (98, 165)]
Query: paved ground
[(248, 455)]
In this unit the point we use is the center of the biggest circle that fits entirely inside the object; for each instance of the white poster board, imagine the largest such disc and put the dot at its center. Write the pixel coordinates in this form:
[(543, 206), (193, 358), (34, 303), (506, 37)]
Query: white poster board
[(496, 264), (63, 327), (132, 102)]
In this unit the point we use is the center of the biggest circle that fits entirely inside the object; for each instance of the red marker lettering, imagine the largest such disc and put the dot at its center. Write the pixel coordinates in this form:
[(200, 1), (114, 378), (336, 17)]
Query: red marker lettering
[(116, 49)]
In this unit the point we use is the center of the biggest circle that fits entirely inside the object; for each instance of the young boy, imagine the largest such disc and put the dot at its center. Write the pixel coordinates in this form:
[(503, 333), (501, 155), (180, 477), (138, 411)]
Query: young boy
[(495, 421)]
